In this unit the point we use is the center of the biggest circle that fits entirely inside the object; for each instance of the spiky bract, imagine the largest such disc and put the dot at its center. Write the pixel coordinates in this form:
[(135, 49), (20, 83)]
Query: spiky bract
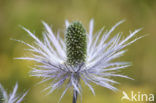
[(12, 97)]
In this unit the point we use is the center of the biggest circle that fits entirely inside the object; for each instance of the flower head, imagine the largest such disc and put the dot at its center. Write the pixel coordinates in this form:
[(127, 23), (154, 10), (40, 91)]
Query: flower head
[(82, 56), (12, 97), (75, 44)]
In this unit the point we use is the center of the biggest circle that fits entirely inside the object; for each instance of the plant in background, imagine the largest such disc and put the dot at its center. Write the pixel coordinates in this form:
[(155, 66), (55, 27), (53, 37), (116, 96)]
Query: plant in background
[(12, 97), (82, 56)]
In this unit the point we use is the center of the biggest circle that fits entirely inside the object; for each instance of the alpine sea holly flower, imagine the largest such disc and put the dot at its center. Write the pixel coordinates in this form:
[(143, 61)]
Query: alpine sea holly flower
[(12, 97), (82, 56)]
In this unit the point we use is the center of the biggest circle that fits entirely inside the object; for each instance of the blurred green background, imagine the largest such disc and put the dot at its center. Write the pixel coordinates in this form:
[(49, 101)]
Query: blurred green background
[(30, 13)]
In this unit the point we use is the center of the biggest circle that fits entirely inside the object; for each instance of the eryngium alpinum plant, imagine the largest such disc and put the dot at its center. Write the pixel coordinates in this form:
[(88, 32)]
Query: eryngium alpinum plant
[(82, 56), (12, 97)]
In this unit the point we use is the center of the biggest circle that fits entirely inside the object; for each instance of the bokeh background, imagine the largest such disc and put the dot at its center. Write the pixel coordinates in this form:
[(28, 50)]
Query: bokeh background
[(30, 13)]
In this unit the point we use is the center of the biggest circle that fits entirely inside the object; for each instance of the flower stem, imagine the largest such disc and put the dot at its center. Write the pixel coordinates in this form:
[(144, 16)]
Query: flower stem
[(75, 95)]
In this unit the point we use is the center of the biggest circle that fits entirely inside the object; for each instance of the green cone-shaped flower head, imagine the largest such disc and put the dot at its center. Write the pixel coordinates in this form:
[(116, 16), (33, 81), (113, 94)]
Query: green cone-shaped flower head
[(76, 43)]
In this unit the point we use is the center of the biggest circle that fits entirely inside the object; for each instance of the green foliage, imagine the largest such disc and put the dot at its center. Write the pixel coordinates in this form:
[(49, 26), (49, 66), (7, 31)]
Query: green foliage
[(76, 43)]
